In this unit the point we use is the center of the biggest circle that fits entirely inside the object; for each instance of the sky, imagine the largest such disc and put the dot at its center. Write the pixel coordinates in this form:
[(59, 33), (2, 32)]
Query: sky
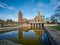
[(9, 8)]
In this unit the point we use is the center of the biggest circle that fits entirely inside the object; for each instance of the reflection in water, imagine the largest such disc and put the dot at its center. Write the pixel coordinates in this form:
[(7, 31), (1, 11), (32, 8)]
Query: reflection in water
[(45, 38), (20, 33), (30, 37), (38, 32), (11, 35), (26, 37)]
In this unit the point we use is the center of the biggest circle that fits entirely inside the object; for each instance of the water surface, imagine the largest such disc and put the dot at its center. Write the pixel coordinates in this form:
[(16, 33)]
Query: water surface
[(26, 37)]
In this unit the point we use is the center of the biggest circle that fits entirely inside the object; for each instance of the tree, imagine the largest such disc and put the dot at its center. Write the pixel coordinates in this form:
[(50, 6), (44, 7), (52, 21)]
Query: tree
[(53, 19), (47, 20), (9, 21), (56, 17), (58, 9), (2, 22), (57, 13)]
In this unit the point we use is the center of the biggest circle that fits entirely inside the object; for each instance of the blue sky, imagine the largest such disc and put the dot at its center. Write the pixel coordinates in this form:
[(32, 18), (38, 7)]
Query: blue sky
[(9, 8)]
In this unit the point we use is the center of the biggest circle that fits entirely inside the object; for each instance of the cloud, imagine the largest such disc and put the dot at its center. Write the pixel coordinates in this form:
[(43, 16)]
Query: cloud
[(11, 17), (3, 5), (41, 5), (51, 3), (11, 8), (57, 4), (34, 9), (33, 1)]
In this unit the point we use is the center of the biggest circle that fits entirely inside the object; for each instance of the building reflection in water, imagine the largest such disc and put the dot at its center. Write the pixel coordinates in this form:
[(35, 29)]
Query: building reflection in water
[(20, 35), (38, 32), (30, 37)]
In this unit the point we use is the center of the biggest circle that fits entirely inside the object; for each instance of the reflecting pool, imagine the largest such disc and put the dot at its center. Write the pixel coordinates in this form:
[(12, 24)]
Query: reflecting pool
[(26, 37)]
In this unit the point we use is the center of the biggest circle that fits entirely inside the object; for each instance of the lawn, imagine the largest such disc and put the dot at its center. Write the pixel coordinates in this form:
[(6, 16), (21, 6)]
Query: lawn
[(55, 27)]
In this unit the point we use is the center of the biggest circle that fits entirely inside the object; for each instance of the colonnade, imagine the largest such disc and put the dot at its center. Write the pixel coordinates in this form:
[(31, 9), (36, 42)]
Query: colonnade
[(37, 25)]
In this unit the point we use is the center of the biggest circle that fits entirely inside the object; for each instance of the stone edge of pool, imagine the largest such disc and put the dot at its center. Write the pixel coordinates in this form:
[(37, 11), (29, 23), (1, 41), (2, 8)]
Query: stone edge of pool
[(53, 35), (10, 28), (7, 42)]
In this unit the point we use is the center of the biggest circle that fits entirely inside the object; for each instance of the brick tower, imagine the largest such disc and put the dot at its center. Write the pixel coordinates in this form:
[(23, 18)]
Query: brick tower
[(20, 17)]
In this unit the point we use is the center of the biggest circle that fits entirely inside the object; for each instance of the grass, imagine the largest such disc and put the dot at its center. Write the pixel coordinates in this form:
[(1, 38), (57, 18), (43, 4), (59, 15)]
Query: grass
[(56, 27)]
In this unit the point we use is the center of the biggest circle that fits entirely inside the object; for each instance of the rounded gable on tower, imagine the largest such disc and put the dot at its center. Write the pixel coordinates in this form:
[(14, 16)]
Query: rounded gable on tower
[(20, 13)]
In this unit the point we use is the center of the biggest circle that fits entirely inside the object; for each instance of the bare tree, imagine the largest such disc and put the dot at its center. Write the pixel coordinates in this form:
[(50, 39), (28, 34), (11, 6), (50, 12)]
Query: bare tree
[(53, 19), (2, 22), (56, 17), (47, 19), (57, 13)]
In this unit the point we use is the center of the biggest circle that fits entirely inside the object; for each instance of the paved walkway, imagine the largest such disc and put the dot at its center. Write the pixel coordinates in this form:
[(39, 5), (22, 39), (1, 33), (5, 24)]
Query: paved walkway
[(55, 34), (10, 28)]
